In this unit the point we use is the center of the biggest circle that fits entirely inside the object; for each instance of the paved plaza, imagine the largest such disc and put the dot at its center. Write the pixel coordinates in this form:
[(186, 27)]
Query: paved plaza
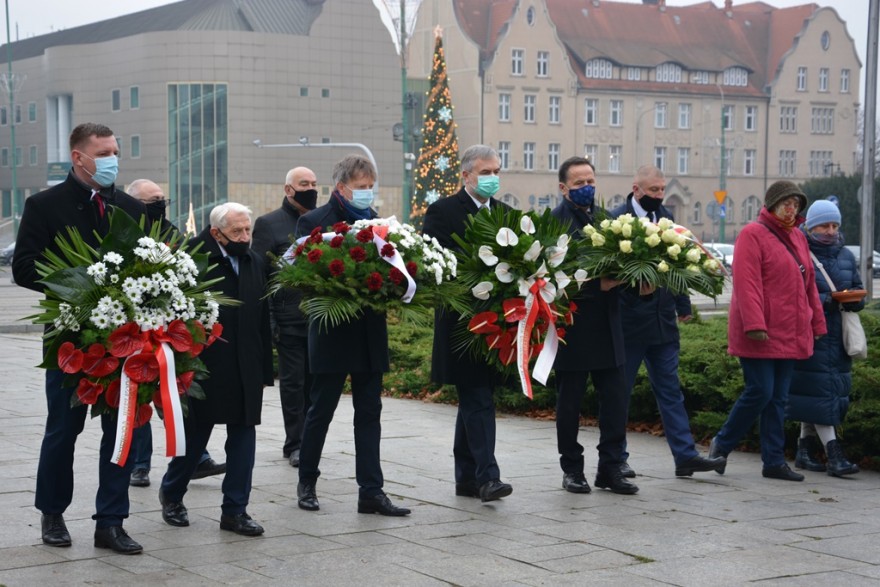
[(707, 530)]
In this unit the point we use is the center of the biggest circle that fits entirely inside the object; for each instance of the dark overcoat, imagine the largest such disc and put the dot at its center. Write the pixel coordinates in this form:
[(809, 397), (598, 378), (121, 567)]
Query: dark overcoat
[(595, 340), (444, 218), (359, 346), (241, 363)]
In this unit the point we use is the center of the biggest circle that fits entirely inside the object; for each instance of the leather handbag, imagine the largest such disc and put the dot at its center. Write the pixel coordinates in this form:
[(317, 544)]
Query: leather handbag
[(853, 334)]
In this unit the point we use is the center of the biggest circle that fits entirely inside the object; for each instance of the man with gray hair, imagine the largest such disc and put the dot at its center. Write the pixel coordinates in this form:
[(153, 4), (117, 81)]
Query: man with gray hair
[(239, 367)]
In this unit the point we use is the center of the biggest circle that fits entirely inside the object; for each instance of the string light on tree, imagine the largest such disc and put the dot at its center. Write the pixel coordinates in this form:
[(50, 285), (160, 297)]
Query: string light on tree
[(438, 166)]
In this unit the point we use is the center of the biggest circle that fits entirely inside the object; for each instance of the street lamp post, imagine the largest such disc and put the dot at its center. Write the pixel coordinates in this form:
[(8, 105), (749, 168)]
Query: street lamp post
[(407, 165), (10, 88), (721, 194)]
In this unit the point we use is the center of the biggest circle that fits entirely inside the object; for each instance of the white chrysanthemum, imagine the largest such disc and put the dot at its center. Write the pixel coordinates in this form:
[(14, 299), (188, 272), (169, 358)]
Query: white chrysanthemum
[(98, 272)]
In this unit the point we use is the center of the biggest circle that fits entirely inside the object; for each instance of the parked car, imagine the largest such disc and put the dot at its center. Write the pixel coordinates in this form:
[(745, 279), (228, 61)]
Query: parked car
[(857, 252), (721, 251), (6, 254)]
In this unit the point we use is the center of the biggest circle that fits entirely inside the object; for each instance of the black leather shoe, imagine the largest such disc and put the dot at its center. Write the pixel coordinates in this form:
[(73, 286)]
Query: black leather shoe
[(575, 483), (494, 489), (307, 500), (173, 512), (467, 489), (781, 472), (616, 482), (117, 540), (715, 452), (380, 504), (293, 459), (240, 524), (209, 468), (698, 464), (627, 471), (140, 477), (54, 530)]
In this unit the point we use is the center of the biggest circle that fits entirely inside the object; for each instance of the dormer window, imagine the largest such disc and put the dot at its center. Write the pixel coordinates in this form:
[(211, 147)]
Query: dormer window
[(668, 73), (700, 77), (598, 69), (735, 76)]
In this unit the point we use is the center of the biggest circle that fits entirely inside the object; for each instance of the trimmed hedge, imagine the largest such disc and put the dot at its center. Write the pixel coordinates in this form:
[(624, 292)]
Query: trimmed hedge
[(711, 380)]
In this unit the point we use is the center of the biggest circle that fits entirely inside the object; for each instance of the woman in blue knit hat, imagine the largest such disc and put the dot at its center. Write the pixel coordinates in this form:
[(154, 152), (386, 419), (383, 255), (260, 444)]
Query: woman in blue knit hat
[(819, 394)]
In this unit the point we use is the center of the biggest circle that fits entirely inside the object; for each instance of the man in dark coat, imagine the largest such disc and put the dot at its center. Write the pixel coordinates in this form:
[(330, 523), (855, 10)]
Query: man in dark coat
[(358, 348), (593, 348), (650, 330), (476, 471), (239, 367), (83, 201), (272, 234)]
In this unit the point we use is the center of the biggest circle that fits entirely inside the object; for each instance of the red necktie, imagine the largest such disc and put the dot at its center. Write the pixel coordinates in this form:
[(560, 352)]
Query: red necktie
[(99, 201)]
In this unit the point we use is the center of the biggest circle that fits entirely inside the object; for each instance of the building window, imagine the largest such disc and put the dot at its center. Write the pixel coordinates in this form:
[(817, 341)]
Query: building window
[(18, 156), (750, 208), (727, 117), (660, 115), (4, 157), (543, 63), (614, 162), (684, 155), (669, 73), (516, 61), (134, 97), (528, 156), (787, 163), (684, 116), (598, 69), (844, 81), (32, 111), (728, 160), (788, 119), (615, 114), (751, 119), (700, 77), (591, 112), (198, 158), (555, 105), (504, 107), (802, 79), (660, 158), (634, 74), (820, 163), (303, 92), (325, 92), (18, 114), (698, 213), (3, 119), (823, 79), (553, 157), (529, 101), (115, 100), (590, 153), (822, 121), (504, 154), (735, 76), (749, 158), (32, 156), (119, 145), (135, 146)]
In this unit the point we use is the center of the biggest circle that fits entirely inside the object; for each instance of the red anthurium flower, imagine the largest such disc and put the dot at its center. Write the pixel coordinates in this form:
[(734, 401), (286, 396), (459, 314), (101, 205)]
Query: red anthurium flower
[(178, 336), (70, 358), (111, 396), (499, 340), (157, 401), (569, 317), (142, 415), (126, 339), (535, 350), (484, 323), (216, 331), (198, 331), (507, 350), (514, 309), (98, 363), (142, 368), (88, 391), (560, 333), (184, 380)]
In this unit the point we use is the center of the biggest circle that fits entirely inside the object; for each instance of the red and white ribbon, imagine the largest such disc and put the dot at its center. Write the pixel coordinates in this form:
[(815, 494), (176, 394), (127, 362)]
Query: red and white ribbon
[(125, 417), (536, 307), (395, 260), (175, 438)]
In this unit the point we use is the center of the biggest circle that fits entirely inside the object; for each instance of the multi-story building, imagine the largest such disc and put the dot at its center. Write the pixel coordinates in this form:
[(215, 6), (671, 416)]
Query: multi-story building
[(729, 98)]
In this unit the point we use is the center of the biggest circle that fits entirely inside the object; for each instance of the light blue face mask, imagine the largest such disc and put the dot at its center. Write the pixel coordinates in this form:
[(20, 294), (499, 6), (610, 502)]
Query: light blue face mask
[(106, 170), (488, 185), (361, 199)]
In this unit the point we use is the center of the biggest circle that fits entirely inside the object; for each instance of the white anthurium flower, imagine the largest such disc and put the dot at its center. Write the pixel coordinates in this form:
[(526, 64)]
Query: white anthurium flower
[(506, 237), (564, 239), (555, 255), (626, 230), (540, 273), (485, 254), (527, 225), (693, 255), (482, 289), (524, 286), (581, 276), (502, 272), (548, 292), (562, 280), (534, 252)]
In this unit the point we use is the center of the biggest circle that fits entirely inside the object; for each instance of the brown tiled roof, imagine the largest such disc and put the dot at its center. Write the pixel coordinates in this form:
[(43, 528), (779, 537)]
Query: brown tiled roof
[(484, 22)]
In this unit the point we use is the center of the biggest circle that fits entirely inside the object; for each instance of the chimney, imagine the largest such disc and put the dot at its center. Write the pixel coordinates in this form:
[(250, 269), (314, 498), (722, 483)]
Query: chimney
[(728, 7), (662, 5)]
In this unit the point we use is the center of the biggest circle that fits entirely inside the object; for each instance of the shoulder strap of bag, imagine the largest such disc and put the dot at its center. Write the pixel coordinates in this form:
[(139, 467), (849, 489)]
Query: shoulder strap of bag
[(822, 270), (800, 265)]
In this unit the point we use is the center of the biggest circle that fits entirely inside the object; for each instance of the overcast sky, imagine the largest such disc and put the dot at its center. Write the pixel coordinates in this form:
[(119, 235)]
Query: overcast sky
[(34, 17)]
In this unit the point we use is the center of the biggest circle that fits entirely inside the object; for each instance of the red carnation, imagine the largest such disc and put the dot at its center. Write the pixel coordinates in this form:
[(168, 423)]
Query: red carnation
[(396, 276), (315, 255), (358, 254), (388, 250), (337, 267), (365, 235), (317, 235), (337, 241), (412, 268), (88, 391), (299, 250), (341, 228), (374, 281)]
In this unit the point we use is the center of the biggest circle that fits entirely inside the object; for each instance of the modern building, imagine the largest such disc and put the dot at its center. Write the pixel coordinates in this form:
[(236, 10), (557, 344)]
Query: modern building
[(730, 98)]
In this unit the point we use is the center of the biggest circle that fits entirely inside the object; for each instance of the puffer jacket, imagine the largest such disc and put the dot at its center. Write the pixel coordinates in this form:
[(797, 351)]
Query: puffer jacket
[(820, 386)]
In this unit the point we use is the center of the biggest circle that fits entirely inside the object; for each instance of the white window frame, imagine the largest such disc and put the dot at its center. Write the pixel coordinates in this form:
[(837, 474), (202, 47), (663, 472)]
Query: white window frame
[(684, 115), (615, 113), (668, 73), (598, 68), (530, 102), (750, 158), (529, 156), (543, 64), (660, 158), (844, 81), (615, 154), (727, 116), (554, 110), (684, 155), (517, 57), (504, 100), (788, 119), (553, 150), (801, 79), (591, 152), (824, 76), (591, 111), (660, 109), (750, 121), (504, 154)]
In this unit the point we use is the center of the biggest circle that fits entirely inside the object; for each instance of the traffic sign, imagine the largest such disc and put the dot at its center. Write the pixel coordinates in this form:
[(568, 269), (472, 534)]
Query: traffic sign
[(720, 196)]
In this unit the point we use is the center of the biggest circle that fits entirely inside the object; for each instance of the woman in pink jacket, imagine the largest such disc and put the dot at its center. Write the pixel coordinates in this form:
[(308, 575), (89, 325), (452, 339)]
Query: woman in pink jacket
[(775, 314)]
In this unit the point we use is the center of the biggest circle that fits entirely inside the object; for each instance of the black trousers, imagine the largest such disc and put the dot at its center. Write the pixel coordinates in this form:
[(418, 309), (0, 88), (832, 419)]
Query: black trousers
[(474, 444), (294, 381)]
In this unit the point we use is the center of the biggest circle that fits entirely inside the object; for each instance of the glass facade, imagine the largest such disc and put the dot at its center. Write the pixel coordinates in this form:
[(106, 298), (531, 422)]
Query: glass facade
[(197, 150)]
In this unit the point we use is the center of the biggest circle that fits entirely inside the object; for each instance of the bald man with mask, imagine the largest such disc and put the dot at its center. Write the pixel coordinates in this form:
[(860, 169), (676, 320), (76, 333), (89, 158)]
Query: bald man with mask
[(272, 237)]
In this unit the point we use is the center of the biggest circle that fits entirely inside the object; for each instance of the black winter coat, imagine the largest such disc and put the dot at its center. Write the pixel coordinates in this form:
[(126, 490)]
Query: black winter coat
[(359, 346), (241, 363), (820, 385)]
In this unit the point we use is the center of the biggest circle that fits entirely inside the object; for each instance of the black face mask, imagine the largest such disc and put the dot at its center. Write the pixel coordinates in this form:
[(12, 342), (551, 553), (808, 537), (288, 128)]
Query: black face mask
[(156, 211), (650, 204), (308, 199), (234, 248)]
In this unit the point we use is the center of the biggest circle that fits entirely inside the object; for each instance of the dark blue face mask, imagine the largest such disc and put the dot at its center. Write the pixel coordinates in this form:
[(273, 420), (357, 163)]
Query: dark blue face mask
[(583, 196), (825, 239)]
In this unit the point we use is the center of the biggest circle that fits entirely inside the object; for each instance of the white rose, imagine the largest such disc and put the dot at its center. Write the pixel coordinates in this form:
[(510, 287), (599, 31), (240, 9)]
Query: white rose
[(597, 239), (626, 246), (652, 240), (616, 226), (627, 230), (693, 255), (673, 251), (605, 224), (662, 267)]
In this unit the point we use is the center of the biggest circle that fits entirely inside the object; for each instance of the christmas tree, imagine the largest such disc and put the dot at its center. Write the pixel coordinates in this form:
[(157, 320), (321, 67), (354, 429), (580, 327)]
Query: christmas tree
[(437, 169)]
